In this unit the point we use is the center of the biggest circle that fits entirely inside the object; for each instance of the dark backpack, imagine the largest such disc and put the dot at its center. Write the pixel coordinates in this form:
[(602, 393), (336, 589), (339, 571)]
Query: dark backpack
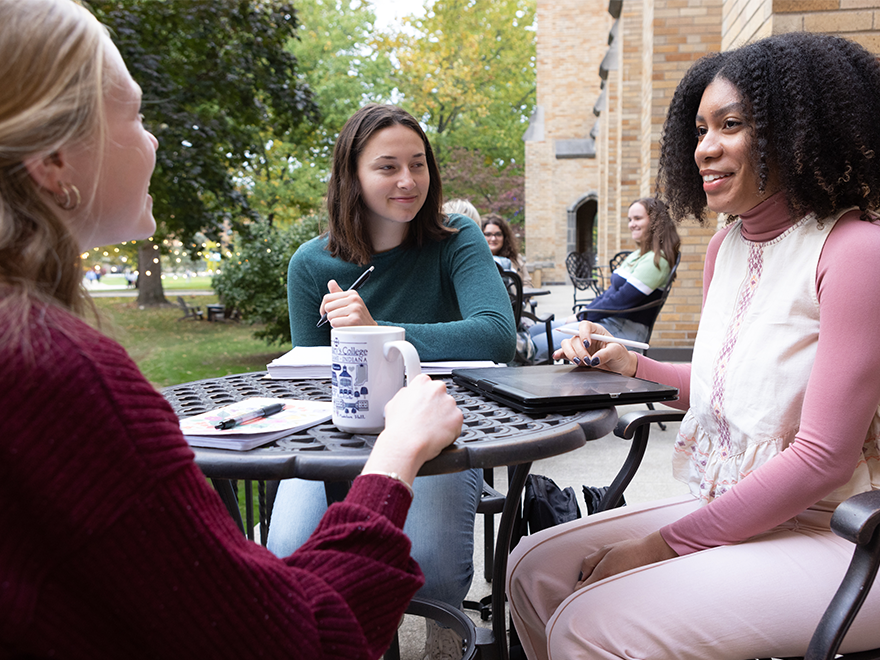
[(545, 504)]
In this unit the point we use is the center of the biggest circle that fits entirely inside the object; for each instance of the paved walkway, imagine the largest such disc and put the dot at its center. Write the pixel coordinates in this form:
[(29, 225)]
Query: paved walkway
[(96, 291)]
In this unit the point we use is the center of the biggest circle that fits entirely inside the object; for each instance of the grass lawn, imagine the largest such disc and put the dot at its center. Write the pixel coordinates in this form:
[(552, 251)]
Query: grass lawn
[(170, 352)]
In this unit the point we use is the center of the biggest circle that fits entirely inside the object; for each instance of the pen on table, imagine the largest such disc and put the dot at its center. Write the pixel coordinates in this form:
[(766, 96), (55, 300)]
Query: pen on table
[(266, 411), (606, 338), (354, 287)]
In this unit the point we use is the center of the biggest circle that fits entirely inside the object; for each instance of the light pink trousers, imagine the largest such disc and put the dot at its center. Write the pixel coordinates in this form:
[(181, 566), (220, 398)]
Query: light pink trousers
[(757, 599)]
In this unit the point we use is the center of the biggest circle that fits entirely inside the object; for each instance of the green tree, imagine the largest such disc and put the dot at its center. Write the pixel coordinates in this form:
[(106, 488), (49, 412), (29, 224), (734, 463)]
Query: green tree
[(343, 73), (467, 70), (468, 174), (217, 80), (254, 282)]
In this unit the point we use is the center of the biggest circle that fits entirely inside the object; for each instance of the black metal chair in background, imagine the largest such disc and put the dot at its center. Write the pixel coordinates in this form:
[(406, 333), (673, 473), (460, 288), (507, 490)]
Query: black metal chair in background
[(613, 264), (656, 305), (581, 267), (857, 520), (513, 283)]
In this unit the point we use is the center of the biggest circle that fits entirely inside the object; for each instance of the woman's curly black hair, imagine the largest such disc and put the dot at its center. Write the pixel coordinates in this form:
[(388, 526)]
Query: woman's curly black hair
[(812, 101)]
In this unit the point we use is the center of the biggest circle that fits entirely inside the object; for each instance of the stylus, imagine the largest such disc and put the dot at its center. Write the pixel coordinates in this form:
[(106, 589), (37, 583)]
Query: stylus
[(567, 330)]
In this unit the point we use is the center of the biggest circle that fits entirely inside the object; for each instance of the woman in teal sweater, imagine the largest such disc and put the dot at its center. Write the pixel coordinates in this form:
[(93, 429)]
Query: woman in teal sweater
[(435, 277)]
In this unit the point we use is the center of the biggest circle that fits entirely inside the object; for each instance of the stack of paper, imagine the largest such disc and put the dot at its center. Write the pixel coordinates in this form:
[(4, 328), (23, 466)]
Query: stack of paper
[(200, 431), (302, 362), (314, 362)]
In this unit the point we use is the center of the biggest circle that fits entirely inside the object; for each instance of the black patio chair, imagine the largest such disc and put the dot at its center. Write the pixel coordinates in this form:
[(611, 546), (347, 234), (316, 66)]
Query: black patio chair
[(581, 267), (613, 264), (654, 304), (513, 283), (857, 520)]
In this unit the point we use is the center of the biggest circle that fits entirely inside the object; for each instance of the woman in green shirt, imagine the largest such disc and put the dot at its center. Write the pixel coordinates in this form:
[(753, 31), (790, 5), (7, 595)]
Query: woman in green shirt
[(435, 277)]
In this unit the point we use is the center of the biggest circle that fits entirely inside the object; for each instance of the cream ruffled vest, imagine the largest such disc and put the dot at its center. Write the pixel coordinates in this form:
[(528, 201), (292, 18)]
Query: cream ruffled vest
[(752, 359)]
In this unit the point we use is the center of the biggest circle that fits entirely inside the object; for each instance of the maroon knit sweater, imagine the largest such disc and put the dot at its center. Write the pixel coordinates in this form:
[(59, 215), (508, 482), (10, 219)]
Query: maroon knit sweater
[(113, 545)]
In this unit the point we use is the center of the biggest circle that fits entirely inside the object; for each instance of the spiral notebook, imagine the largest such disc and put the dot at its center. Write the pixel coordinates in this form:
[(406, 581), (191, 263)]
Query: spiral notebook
[(560, 388)]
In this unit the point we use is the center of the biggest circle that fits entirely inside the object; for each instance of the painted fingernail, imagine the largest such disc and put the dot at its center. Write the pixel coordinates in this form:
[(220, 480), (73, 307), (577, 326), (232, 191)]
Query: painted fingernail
[(581, 576), (586, 343), (595, 362), (576, 360)]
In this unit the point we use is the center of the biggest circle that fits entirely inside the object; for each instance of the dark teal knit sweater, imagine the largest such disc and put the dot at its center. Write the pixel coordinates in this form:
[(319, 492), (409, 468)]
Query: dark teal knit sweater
[(447, 295)]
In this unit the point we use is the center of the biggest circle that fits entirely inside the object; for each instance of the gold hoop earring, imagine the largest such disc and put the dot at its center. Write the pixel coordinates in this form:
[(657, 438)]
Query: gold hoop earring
[(70, 199)]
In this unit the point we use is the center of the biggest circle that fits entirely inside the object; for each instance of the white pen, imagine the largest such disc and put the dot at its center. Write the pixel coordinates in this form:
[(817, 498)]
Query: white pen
[(566, 330)]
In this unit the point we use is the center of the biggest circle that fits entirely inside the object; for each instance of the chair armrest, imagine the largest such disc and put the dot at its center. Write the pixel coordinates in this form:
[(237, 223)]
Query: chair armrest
[(538, 319), (639, 308), (546, 321), (858, 517), (632, 421), (856, 520), (635, 426)]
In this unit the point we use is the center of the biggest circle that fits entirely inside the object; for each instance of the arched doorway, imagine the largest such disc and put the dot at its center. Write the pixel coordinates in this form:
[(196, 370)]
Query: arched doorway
[(582, 221)]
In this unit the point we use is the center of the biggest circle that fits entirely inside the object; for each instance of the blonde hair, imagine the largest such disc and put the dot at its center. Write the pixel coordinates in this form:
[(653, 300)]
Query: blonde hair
[(464, 207), (51, 73)]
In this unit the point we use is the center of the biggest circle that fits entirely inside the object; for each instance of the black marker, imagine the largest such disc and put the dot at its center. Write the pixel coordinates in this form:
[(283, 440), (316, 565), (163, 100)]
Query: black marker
[(354, 287), (248, 416)]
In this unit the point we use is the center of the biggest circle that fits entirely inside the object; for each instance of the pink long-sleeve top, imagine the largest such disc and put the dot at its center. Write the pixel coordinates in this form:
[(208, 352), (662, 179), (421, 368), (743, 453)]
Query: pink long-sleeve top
[(841, 398)]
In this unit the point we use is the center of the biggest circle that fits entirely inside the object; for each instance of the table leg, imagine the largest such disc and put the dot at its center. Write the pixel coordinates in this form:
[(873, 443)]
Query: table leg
[(227, 494), (506, 527)]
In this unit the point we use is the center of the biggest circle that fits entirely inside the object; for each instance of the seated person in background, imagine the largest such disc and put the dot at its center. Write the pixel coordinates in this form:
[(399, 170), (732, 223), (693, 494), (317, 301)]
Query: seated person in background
[(637, 281), (505, 248), (112, 543), (462, 207), (434, 277)]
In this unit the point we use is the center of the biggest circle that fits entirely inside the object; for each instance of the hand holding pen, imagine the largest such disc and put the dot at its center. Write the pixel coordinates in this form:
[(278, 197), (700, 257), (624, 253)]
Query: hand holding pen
[(591, 346), (360, 313), (608, 339)]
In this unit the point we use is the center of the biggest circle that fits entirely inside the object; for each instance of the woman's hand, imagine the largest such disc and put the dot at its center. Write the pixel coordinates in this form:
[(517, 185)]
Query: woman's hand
[(344, 308), (582, 350), (623, 556), (420, 421)]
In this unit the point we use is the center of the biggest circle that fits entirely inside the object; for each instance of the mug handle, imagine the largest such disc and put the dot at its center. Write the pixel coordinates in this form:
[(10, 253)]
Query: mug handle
[(411, 363)]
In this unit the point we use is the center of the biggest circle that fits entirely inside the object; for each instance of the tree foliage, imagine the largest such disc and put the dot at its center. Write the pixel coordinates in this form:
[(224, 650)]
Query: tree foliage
[(467, 70), (255, 283), (342, 73), (217, 78), (468, 174)]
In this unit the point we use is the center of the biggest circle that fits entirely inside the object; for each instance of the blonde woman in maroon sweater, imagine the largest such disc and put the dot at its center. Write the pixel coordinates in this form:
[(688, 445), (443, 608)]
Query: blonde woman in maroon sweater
[(111, 543)]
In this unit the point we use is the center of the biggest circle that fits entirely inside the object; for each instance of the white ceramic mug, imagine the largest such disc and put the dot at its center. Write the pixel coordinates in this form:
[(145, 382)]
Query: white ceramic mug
[(368, 365)]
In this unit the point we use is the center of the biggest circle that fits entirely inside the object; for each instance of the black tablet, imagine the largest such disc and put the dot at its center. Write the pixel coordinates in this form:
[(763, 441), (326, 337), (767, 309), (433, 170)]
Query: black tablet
[(559, 388)]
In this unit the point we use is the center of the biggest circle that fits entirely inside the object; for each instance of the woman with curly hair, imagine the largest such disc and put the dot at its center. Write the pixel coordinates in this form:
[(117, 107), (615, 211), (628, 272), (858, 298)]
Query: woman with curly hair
[(639, 280), (782, 395)]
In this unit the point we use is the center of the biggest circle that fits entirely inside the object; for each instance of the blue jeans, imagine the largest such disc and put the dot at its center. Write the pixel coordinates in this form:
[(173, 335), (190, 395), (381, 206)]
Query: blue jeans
[(440, 524), (617, 326)]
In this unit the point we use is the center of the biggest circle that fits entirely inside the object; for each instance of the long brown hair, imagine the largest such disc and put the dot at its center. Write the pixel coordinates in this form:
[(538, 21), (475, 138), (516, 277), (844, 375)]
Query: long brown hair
[(348, 236), (662, 236), (510, 245), (52, 79)]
